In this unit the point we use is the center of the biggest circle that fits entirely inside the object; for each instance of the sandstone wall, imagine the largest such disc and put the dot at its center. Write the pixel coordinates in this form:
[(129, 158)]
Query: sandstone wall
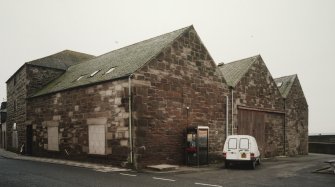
[(297, 121), (183, 75), (258, 91), (73, 110)]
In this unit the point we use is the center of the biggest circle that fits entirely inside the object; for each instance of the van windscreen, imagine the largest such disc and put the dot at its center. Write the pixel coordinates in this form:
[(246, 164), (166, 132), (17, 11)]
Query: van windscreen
[(244, 143), (232, 143)]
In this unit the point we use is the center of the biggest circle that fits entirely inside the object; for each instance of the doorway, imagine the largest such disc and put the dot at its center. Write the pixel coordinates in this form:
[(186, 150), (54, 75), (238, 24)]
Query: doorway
[(29, 146)]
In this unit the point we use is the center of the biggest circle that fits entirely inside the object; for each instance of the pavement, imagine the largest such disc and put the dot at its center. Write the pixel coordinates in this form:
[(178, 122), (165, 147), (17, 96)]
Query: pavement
[(94, 166), (158, 169)]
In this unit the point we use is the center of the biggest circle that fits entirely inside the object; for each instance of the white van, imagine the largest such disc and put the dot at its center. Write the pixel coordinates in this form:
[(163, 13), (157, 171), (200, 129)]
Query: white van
[(240, 149)]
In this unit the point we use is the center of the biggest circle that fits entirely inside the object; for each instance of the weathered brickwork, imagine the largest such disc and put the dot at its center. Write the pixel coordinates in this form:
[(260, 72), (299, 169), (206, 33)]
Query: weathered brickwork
[(297, 120), (73, 111), (258, 91), (28, 79), (183, 75)]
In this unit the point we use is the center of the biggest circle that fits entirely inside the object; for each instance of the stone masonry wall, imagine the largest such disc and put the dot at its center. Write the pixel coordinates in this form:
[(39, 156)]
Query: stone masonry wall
[(183, 75), (297, 121), (257, 90), (38, 76), (16, 94), (28, 80), (73, 110)]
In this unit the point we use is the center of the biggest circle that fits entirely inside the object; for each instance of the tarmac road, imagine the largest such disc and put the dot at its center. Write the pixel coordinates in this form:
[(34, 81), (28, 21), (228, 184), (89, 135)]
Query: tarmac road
[(294, 171)]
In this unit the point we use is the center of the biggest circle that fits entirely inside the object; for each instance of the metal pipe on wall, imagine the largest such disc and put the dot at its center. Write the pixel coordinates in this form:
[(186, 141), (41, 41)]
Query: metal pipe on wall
[(232, 111), (130, 120), (227, 116)]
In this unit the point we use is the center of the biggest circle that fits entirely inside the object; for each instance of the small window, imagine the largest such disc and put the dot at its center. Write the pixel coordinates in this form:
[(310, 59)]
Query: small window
[(232, 143), (279, 84), (244, 143), (110, 70), (14, 80), (94, 73), (14, 126), (15, 105)]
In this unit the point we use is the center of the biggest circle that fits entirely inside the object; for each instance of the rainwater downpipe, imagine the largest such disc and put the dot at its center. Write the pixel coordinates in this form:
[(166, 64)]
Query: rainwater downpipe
[(284, 127), (130, 120), (227, 116), (232, 111)]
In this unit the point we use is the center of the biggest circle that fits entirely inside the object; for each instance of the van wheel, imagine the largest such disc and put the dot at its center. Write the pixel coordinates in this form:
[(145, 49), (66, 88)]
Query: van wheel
[(253, 164), (226, 164)]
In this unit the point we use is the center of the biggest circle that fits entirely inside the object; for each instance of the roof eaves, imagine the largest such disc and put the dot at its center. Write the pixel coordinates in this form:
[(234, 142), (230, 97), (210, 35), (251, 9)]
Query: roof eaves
[(79, 86)]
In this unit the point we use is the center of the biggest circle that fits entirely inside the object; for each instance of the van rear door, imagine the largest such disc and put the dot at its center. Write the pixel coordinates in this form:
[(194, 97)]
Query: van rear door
[(232, 151), (244, 149)]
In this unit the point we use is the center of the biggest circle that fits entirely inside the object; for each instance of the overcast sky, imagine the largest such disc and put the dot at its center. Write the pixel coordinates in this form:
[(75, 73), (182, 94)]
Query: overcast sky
[(292, 36)]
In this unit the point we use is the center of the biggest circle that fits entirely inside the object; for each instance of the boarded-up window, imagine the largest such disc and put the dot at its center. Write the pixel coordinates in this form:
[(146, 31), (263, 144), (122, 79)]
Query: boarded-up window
[(53, 139), (96, 139)]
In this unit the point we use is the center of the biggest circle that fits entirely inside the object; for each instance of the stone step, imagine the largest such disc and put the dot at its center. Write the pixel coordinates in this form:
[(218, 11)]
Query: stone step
[(163, 167)]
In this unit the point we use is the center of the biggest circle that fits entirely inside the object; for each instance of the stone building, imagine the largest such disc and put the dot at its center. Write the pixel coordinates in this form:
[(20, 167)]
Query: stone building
[(256, 105), (3, 119), (132, 104), (29, 78), (296, 111)]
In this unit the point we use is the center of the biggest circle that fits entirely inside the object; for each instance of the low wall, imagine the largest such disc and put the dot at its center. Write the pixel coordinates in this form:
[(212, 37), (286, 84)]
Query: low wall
[(320, 147)]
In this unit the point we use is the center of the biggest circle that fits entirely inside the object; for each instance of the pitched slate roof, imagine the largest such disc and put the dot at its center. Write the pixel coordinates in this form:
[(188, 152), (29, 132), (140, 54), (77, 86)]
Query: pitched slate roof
[(234, 71), (125, 60), (285, 83), (62, 60)]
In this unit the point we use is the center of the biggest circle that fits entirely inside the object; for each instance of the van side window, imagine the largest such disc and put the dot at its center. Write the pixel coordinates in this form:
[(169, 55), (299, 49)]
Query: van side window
[(232, 143), (244, 143)]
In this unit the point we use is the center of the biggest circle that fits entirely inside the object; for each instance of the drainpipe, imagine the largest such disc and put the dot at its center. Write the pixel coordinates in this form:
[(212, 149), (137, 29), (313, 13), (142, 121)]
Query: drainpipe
[(232, 111), (284, 126), (130, 120), (227, 116)]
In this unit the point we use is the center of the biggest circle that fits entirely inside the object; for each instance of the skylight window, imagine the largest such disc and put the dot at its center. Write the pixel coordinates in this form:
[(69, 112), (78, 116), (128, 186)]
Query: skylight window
[(279, 84), (80, 78), (94, 73), (110, 70)]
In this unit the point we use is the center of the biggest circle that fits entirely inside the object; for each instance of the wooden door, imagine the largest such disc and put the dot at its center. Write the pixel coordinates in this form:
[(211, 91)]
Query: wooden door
[(252, 123)]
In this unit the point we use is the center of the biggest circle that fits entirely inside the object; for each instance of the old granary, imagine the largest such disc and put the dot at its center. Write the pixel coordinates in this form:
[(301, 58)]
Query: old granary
[(133, 104)]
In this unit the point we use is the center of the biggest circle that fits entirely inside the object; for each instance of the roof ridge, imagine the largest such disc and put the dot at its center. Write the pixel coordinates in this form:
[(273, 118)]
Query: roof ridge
[(143, 41), (255, 56), (293, 75)]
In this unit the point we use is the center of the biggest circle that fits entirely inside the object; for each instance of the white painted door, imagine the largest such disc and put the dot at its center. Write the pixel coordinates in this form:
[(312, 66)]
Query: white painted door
[(96, 139), (53, 139)]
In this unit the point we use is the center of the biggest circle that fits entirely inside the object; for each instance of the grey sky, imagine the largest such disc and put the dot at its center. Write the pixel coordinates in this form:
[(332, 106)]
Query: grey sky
[(293, 36)]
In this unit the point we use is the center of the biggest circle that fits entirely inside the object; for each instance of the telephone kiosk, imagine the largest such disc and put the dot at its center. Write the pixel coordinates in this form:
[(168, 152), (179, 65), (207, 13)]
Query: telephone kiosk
[(196, 150)]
